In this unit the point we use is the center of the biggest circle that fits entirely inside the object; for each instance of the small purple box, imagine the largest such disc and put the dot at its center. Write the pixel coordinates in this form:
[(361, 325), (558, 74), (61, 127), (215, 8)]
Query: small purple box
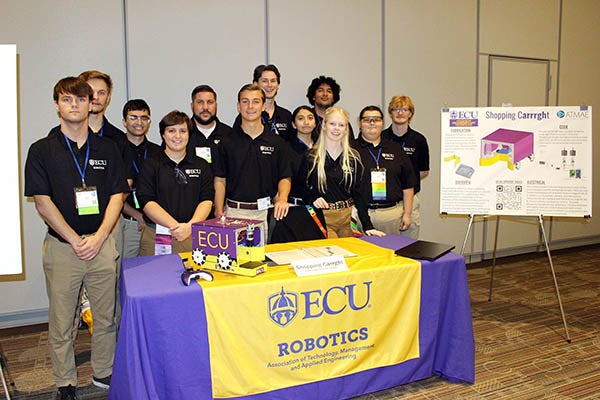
[(227, 234)]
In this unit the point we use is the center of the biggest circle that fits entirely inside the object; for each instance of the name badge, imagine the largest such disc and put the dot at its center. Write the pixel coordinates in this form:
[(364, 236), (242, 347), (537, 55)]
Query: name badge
[(378, 180), (86, 200), (264, 203), (204, 152), (162, 240)]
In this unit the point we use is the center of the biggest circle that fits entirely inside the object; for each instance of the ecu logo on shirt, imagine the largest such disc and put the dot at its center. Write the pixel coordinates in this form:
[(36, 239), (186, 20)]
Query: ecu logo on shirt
[(193, 172), (97, 164), (267, 149), (388, 156)]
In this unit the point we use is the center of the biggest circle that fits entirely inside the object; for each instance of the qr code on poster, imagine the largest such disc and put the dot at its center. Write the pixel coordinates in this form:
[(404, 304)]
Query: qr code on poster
[(509, 197)]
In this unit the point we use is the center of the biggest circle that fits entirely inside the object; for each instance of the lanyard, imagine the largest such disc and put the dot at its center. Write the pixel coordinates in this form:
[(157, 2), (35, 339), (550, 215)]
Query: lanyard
[(375, 158), (273, 122), (135, 166), (315, 218), (87, 157)]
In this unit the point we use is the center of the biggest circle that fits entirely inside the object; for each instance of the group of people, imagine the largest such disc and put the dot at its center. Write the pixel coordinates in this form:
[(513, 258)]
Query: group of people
[(106, 194)]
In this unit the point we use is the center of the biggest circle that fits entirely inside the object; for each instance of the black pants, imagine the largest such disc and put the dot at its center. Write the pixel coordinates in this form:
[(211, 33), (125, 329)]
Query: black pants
[(298, 225)]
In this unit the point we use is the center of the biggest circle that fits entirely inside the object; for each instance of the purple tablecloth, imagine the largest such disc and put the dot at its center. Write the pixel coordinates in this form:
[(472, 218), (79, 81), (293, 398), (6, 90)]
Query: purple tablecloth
[(162, 348)]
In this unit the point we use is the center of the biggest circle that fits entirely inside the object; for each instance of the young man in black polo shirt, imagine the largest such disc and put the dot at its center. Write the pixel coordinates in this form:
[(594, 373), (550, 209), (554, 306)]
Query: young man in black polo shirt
[(77, 183), (252, 170), (388, 180), (277, 119), (322, 93), (402, 109), (102, 85), (136, 120)]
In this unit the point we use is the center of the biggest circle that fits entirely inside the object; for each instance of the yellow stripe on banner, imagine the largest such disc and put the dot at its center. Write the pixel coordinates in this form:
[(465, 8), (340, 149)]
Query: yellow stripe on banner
[(277, 330)]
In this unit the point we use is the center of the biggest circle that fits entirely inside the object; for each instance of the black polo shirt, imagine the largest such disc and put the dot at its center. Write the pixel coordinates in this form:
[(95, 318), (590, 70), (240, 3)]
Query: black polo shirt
[(139, 154), (415, 146), (113, 133), (336, 189), (158, 182), (280, 123), (50, 170), (297, 150), (252, 167), (399, 173), (198, 140)]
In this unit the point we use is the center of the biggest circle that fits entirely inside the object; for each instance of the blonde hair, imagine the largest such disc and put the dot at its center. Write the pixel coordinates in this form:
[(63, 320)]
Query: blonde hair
[(402, 101), (350, 157)]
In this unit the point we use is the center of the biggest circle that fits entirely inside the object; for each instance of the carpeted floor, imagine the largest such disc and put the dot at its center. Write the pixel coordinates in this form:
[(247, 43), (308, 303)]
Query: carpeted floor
[(521, 350)]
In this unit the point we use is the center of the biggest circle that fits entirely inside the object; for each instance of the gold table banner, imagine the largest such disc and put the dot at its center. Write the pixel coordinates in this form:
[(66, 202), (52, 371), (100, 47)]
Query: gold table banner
[(278, 330)]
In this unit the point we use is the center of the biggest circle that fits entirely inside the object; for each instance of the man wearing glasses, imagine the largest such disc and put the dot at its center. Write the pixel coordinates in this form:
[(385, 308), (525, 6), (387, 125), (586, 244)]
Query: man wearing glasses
[(401, 109), (174, 189), (136, 120)]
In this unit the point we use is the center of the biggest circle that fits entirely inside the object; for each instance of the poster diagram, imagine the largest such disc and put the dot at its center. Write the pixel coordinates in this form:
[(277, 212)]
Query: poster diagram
[(523, 161)]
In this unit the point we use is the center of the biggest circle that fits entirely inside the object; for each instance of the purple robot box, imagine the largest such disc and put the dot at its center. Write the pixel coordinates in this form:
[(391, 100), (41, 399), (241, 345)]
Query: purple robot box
[(234, 245)]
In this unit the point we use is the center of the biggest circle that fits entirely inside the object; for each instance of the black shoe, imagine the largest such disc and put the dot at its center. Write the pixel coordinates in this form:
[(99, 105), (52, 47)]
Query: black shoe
[(66, 393), (103, 383)]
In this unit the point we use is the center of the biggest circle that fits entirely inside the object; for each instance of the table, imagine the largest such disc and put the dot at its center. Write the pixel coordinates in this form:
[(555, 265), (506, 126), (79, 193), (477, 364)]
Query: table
[(163, 352)]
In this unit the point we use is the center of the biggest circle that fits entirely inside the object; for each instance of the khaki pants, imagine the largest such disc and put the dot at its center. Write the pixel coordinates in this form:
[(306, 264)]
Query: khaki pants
[(148, 238), (388, 219), (260, 215), (338, 222), (64, 275), (131, 238), (415, 218)]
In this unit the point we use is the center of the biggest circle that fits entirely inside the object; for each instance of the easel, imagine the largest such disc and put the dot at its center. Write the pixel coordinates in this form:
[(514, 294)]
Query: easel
[(4, 367), (543, 231)]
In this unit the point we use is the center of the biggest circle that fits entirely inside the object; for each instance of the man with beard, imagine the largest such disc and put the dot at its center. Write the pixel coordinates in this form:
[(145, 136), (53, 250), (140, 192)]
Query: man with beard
[(207, 129)]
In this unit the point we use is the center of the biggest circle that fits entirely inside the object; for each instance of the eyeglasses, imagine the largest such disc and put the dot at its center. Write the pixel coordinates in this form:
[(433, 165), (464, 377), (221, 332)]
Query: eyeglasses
[(180, 176), (371, 120), (400, 110), (143, 118)]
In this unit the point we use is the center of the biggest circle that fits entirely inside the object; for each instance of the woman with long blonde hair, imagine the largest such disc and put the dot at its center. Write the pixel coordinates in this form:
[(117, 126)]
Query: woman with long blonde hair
[(333, 172)]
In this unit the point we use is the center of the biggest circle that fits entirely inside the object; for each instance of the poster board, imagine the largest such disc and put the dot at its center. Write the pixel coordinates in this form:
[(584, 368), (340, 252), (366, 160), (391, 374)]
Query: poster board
[(12, 262), (521, 161)]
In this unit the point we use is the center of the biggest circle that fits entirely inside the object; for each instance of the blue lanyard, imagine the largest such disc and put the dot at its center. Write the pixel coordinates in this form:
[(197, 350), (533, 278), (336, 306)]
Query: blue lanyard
[(375, 158), (273, 123), (137, 170), (87, 157)]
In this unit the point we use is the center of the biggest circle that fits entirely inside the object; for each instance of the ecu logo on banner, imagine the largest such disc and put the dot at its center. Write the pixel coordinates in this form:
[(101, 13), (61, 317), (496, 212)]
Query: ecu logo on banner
[(283, 307)]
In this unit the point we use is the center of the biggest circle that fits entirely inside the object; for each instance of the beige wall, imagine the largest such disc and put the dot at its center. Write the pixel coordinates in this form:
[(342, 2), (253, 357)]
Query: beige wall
[(430, 50)]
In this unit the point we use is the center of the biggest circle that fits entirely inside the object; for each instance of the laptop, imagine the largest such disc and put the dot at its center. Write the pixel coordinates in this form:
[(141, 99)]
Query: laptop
[(424, 250)]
